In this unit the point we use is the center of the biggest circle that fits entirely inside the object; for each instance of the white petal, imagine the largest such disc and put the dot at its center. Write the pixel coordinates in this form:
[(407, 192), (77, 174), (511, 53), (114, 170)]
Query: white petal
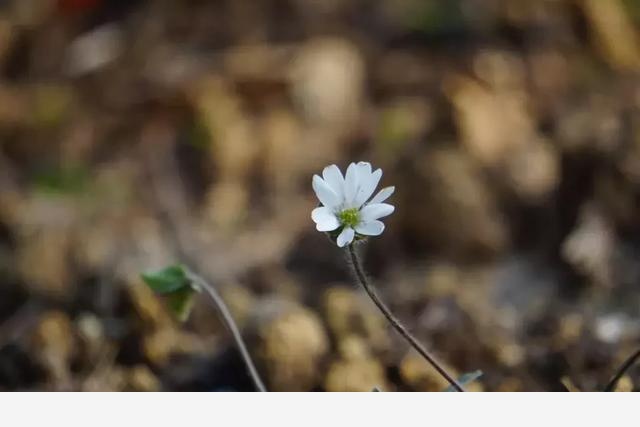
[(364, 170), (325, 194), (333, 177), (350, 184), (367, 187), (345, 237), (325, 219), (383, 195), (375, 211), (372, 228)]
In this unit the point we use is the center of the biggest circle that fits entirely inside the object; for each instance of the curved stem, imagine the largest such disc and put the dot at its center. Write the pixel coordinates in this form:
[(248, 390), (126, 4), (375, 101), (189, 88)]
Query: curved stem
[(362, 278), (166, 184), (233, 328), (622, 370)]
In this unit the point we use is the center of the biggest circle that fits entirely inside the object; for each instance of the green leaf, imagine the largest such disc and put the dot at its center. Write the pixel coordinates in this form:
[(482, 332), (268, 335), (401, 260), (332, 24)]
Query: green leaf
[(180, 302), (176, 286), (167, 280), (465, 379)]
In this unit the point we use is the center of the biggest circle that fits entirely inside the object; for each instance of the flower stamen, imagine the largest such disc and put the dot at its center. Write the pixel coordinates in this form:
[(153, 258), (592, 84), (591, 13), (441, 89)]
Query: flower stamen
[(349, 217)]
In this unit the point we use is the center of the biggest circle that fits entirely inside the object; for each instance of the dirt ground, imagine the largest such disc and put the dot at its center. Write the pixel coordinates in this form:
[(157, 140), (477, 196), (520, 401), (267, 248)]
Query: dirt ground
[(137, 134)]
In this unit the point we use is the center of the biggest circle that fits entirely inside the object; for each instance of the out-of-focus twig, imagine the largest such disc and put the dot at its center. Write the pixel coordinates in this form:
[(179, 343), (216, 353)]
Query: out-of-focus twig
[(622, 370)]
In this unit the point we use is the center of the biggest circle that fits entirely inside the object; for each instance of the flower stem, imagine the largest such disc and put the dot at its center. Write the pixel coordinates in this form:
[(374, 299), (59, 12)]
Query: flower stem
[(362, 278), (622, 370), (233, 328)]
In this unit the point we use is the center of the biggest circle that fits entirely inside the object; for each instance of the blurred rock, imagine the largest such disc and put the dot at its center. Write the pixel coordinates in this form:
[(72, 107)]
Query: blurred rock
[(462, 218), (289, 343), (91, 332), (108, 378), (232, 138), (283, 151), (350, 313), (492, 122), (47, 271), (352, 347), (614, 327), (592, 124), (624, 384), (355, 370), (512, 355), (571, 327), (442, 280), (140, 378), (420, 376), (328, 80), (590, 246), (233, 146), (227, 205), (501, 70), (159, 346), (498, 127), (352, 376), (533, 171), (94, 50), (54, 343), (510, 384)]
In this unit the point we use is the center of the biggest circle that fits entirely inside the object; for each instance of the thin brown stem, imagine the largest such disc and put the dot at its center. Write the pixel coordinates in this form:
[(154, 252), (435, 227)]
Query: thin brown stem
[(622, 370), (233, 328), (362, 278)]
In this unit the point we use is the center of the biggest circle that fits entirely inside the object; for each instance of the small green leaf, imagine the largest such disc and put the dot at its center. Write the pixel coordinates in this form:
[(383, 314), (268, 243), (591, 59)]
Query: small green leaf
[(167, 280), (175, 284), (180, 302), (465, 379)]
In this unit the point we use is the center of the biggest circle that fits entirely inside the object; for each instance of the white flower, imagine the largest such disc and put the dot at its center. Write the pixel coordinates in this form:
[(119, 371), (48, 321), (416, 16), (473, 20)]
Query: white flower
[(345, 202)]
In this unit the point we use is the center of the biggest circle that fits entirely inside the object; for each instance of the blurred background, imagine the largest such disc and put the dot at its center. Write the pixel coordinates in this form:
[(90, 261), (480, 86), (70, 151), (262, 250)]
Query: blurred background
[(136, 134)]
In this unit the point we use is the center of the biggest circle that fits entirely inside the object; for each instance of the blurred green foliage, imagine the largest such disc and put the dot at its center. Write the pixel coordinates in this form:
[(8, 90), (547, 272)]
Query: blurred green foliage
[(62, 180)]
